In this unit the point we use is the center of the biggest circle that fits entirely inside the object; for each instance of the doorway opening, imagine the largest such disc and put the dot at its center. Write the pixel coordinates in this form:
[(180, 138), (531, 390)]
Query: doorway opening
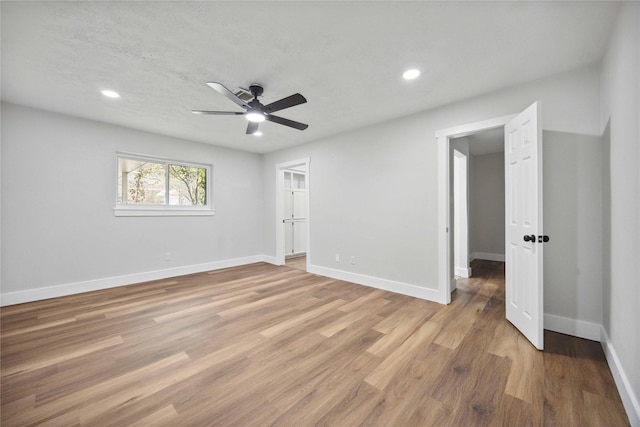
[(478, 196), (446, 277), (292, 214)]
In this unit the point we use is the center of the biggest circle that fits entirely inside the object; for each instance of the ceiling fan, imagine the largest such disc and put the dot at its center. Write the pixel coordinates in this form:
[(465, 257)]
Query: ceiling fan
[(256, 112)]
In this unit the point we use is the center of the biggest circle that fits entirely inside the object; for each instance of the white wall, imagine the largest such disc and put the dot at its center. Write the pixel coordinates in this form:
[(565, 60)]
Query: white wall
[(572, 206), (374, 191), (58, 191), (620, 121), (487, 206)]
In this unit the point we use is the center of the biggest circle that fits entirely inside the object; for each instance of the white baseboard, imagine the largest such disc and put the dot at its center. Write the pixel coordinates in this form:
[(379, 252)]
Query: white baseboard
[(378, 283), (270, 259), (112, 282), (576, 328), (596, 332), (463, 272), (630, 401), (487, 256)]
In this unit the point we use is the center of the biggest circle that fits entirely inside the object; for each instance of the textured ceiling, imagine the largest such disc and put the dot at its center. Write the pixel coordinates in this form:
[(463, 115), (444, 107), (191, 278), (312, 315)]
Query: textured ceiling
[(346, 58)]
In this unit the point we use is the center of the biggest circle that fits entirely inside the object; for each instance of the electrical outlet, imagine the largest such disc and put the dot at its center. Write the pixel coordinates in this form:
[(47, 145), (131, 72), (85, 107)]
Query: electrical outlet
[(337, 257), (353, 260), (167, 256)]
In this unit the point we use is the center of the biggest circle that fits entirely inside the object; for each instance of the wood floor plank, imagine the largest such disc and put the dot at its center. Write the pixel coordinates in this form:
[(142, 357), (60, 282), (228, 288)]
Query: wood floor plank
[(262, 345), (423, 336), (38, 327), (67, 355), (351, 318), (195, 308), (163, 417), (527, 372), (404, 327), (266, 301), (301, 318), (456, 329), (357, 303), (93, 395)]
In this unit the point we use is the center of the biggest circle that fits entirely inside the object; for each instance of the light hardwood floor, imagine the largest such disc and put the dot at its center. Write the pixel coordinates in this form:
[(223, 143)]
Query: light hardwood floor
[(298, 262), (262, 345)]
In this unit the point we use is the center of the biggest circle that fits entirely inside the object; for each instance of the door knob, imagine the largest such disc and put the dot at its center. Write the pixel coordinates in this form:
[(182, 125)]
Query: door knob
[(531, 238), (543, 239)]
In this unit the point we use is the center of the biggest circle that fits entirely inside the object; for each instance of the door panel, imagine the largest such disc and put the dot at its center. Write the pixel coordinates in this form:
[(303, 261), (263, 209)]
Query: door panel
[(523, 192), (299, 204), (288, 204), (299, 236), (288, 238)]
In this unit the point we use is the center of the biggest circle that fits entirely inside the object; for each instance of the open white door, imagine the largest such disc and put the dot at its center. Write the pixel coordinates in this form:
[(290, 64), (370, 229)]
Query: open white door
[(523, 201)]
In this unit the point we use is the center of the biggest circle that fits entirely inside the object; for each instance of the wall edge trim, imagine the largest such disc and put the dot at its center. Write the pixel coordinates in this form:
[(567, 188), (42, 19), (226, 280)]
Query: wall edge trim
[(629, 400), (55, 291), (573, 327), (379, 283)]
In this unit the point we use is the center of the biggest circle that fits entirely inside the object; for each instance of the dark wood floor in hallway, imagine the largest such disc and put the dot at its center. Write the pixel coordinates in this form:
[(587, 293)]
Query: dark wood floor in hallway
[(262, 345)]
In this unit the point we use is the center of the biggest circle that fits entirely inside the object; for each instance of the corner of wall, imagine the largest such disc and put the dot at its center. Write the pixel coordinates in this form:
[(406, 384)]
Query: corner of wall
[(629, 400)]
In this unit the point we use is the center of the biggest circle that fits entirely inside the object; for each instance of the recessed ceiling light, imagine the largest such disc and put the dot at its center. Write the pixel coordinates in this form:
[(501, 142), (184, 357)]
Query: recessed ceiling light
[(110, 94), (257, 133), (411, 74)]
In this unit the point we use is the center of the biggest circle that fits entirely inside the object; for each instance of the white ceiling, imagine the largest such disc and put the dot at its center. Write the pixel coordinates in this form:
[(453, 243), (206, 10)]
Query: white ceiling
[(346, 58)]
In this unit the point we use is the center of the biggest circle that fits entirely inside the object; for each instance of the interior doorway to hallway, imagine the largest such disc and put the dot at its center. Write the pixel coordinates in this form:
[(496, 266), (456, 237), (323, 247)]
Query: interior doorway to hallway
[(523, 222), (292, 213), (478, 197)]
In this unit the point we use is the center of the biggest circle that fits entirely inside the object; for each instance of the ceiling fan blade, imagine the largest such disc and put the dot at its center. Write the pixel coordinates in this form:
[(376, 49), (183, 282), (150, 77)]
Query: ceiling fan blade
[(289, 101), (252, 128), (219, 113), (227, 93), (286, 122)]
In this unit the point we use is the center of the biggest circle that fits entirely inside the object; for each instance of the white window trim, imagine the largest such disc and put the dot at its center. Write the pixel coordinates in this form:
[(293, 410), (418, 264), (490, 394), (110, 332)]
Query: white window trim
[(165, 210)]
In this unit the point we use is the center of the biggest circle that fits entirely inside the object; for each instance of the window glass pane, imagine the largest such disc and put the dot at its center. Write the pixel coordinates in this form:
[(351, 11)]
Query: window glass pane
[(159, 183), (187, 185), (298, 181), (287, 180), (141, 182)]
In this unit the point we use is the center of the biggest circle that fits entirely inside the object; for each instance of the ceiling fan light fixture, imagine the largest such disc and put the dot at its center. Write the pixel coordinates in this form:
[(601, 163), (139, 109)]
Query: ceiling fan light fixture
[(255, 116)]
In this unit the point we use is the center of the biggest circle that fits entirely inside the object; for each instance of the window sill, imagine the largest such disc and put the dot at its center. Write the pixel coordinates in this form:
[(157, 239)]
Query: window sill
[(162, 212)]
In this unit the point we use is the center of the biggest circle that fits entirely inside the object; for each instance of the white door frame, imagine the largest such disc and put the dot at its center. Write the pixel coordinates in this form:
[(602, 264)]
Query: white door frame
[(445, 276), (280, 168)]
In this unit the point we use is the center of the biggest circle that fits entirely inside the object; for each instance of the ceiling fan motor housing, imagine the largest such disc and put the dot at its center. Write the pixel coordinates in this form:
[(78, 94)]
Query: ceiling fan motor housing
[(256, 90)]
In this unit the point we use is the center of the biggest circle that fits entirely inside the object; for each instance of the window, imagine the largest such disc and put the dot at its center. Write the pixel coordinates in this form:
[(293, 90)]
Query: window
[(153, 186)]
